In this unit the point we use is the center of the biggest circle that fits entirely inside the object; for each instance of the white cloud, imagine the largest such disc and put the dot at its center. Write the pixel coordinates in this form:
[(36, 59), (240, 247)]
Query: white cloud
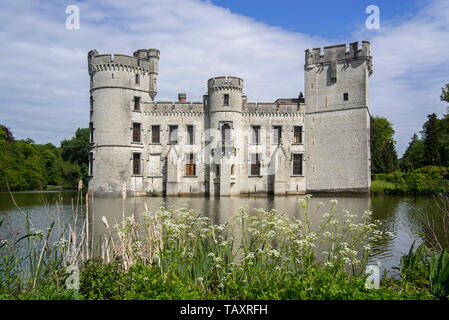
[(410, 62), (44, 80)]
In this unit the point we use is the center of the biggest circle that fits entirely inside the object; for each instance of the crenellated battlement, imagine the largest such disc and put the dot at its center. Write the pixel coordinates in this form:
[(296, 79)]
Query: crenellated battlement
[(139, 62), (338, 52), (274, 108), (170, 106), (225, 82)]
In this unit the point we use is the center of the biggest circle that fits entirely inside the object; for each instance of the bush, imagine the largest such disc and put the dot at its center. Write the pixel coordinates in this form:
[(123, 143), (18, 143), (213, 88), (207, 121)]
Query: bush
[(434, 172), (394, 176)]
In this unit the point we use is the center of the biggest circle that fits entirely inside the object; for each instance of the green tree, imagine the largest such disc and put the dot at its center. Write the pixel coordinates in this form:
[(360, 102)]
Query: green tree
[(76, 150), (431, 141), (384, 157), (413, 157), (445, 93), (25, 165)]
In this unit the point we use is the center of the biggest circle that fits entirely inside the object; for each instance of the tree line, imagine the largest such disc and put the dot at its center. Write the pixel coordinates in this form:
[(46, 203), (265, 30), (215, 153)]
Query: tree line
[(431, 148), (26, 165)]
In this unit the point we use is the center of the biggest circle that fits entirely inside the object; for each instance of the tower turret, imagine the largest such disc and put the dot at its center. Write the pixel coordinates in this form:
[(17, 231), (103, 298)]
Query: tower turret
[(120, 86), (224, 108)]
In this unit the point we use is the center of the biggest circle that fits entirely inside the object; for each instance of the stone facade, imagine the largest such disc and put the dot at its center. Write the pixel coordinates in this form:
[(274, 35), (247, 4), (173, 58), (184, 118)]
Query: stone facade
[(225, 145)]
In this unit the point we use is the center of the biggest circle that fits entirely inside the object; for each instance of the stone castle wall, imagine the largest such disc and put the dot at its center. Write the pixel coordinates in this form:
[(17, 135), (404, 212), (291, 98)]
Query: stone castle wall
[(334, 122)]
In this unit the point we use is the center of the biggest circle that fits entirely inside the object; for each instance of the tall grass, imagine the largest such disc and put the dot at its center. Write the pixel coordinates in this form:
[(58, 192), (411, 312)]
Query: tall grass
[(39, 257), (249, 248), (256, 254)]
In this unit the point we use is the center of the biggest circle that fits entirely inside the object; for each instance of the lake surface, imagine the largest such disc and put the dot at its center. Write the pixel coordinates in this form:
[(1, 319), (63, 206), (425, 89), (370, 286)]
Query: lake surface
[(403, 216)]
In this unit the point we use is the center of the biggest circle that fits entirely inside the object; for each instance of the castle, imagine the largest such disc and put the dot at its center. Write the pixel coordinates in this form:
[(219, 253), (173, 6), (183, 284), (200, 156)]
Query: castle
[(225, 145)]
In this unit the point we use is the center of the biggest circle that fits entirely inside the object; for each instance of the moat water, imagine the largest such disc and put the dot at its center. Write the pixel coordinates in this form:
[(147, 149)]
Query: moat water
[(403, 216)]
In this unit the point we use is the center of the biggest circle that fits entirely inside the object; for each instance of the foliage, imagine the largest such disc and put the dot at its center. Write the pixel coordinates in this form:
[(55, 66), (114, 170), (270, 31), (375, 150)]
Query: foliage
[(413, 157), (384, 157), (180, 255), (34, 265), (428, 180), (439, 275), (445, 93), (431, 140), (25, 165), (414, 266)]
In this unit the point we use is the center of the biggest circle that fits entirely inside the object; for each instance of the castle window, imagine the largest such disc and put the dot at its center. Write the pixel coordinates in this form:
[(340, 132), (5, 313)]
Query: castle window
[(91, 163), (137, 79), (226, 132), (136, 103), (173, 134), (217, 170), (345, 96), (297, 159), (190, 164), (91, 131), (233, 170), (136, 163), (91, 103), (137, 127), (155, 134), (297, 134), (255, 164), (190, 134), (276, 135), (226, 99), (255, 134)]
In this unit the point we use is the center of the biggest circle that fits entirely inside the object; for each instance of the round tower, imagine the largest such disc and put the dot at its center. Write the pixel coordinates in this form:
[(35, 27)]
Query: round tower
[(120, 85), (224, 105)]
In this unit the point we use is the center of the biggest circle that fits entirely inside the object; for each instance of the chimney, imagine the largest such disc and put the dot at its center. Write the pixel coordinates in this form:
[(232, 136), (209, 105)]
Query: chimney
[(182, 97)]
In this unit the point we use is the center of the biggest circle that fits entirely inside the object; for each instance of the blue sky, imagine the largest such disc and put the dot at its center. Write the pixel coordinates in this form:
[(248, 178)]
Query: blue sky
[(329, 19), (44, 84)]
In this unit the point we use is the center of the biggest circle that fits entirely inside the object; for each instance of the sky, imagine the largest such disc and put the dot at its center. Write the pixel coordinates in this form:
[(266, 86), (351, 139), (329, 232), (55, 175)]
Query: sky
[(44, 83)]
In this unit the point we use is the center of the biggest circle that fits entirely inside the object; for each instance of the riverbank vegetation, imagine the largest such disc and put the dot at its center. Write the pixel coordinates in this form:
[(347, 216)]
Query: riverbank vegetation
[(423, 168), (182, 255), (25, 165)]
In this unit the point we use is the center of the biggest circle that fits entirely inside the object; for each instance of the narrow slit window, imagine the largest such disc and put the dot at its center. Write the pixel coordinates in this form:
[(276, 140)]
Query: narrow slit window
[(91, 163), (277, 134), (255, 135), (190, 134), (226, 99), (190, 164), (155, 134), (136, 103), (297, 134), (297, 164), (137, 79), (136, 163), (173, 134), (255, 164), (91, 131), (137, 127), (345, 96)]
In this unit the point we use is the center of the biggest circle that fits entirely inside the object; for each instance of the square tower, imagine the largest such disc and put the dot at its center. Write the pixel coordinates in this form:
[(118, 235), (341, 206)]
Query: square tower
[(337, 118)]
